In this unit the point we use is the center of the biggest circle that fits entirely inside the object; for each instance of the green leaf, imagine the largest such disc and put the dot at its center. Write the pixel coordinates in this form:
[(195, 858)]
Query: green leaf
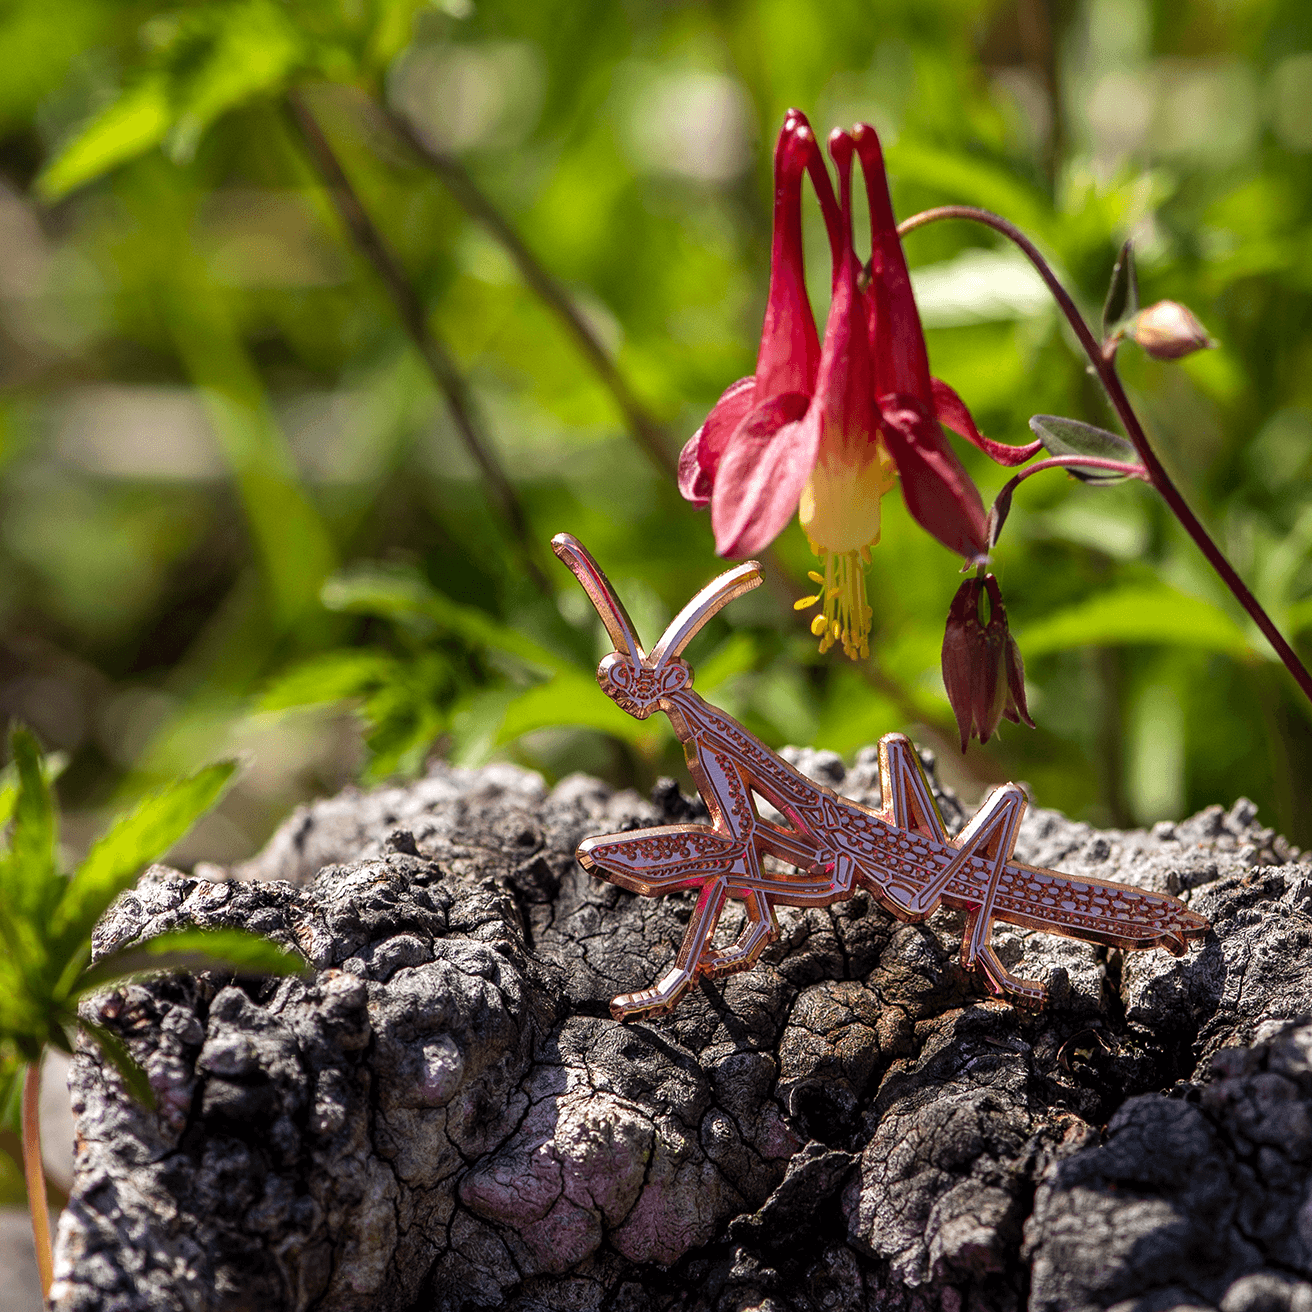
[(133, 841), (116, 1053), (53, 764), (572, 698), (191, 950), (12, 1070), (1070, 437), (1123, 295), (295, 548), (332, 676), (409, 600), (253, 48), (29, 878), (1128, 616), (132, 125), (734, 656)]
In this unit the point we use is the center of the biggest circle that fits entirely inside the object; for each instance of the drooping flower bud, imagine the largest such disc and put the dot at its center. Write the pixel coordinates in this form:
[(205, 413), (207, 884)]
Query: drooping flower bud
[(982, 668), (1168, 331)]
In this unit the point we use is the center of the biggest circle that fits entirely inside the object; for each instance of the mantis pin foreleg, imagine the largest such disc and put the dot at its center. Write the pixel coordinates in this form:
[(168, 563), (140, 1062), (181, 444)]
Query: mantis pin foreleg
[(663, 995), (991, 833)]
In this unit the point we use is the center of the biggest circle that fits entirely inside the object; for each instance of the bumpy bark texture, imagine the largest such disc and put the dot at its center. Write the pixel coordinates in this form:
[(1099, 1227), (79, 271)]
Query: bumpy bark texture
[(443, 1116)]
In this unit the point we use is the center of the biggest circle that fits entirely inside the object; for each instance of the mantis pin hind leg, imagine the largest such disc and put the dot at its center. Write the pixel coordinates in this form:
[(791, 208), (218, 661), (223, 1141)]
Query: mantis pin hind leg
[(907, 800), (992, 834), (909, 805)]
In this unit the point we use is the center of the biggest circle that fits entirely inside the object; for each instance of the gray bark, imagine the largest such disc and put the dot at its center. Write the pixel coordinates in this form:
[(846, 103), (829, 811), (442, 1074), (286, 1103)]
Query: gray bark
[(443, 1115)]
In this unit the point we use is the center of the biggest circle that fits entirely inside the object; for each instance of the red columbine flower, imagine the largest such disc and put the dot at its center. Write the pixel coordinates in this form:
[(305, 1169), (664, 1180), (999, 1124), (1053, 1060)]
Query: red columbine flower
[(824, 428), (752, 410)]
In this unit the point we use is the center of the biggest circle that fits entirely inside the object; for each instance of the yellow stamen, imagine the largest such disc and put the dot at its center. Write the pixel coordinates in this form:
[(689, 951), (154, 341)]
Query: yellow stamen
[(847, 615), (839, 512), (805, 603)]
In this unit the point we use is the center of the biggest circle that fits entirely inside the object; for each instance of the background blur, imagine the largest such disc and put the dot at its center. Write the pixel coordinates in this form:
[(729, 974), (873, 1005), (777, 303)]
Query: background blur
[(237, 514)]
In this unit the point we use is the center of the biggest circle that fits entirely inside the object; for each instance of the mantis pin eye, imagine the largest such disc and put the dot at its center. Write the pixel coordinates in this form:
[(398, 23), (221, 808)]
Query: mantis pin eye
[(616, 670)]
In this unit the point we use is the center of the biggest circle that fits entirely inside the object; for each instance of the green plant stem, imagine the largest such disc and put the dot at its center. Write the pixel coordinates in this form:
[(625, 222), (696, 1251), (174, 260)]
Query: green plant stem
[(372, 245), (647, 430), (1103, 360), (35, 1174)]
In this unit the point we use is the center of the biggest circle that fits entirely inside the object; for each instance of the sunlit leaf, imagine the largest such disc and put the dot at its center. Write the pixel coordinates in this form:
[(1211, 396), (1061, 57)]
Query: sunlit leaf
[(572, 698), (965, 178), (1070, 437), (132, 842), (53, 764), (406, 598), (734, 656), (295, 549), (332, 676), (190, 950), (132, 125), (250, 48), (12, 1069), (29, 877)]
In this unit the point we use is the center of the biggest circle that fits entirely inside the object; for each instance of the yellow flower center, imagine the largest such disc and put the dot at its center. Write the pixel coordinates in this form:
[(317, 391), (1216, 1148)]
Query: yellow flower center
[(839, 512)]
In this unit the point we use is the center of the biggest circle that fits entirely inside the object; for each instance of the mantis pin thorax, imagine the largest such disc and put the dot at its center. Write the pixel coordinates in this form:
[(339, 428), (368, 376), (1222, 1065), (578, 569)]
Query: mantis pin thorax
[(901, 853)]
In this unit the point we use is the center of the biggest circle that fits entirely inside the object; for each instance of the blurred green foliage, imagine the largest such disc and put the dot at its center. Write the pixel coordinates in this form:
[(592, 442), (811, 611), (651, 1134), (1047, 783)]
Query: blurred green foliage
[(233, 500)]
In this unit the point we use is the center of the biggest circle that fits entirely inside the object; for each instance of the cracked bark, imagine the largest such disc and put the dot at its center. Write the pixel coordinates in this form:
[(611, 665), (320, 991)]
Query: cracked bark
[(444, 1116)]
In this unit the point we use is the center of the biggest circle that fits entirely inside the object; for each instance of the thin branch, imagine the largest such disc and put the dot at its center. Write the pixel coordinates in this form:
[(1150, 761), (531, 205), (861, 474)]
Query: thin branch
[(648, 431), (371, 244), (1119, 467), (35, 1175), (1104, 366)]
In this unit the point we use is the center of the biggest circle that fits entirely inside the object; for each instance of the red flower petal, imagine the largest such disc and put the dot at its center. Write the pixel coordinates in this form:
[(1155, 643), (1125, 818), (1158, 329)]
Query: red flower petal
[(951, 410), (790, 346), (1016, 710), (960, 638), (897, 339), (701, 454), (762, 474), (844, 386), (935, 485)]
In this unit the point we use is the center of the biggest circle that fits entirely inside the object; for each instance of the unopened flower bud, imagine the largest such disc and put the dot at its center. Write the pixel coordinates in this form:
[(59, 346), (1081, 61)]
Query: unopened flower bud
[(982, 669), (1168, 331)]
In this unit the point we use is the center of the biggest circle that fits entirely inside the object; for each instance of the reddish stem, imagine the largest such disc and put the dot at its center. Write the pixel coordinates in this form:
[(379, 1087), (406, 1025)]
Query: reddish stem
[(1104, 366), (1081, 462), (35, 1173)]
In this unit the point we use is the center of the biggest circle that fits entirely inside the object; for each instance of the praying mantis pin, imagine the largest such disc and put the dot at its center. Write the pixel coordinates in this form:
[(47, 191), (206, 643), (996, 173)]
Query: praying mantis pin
[(900, 853)]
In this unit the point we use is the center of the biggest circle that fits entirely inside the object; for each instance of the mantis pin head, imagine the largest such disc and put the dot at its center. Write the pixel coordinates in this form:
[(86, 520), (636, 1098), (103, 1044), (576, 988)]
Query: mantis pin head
[(635, 680)]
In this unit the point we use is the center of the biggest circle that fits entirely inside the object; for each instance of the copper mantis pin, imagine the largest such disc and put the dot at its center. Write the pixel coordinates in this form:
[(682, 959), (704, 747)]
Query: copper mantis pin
[(900, 853)]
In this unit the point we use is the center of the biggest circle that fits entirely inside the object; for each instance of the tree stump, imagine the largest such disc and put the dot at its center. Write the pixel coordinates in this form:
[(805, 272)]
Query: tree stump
[(444, 1117)]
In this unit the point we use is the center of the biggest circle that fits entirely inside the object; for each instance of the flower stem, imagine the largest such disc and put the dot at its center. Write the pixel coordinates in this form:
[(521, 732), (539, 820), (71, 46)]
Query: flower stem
[(36, 1176), (1119, 467), (370, 243), (1104, 365)]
